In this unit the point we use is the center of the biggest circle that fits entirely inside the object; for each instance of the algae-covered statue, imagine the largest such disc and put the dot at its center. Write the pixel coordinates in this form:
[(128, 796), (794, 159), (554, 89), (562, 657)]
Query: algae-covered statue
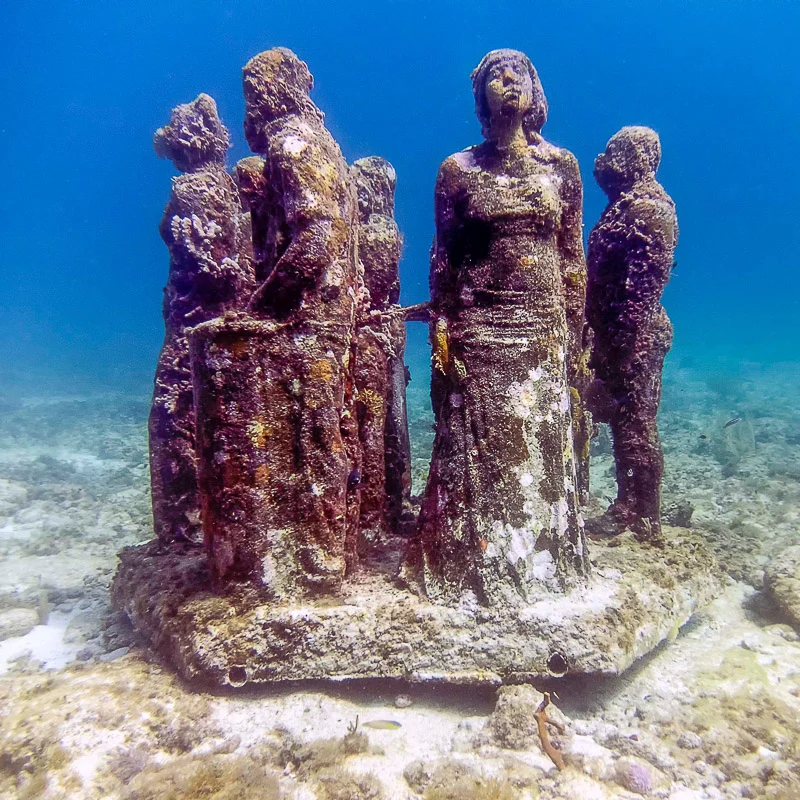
[(302, 450), (630, 258), (275, 421), (384, 472), (208, 236), (500, 512)]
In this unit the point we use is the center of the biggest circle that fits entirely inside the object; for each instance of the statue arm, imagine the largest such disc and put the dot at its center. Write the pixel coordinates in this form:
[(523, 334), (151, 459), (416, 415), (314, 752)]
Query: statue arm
[(442, 279), (442, 283), (649, 256), (316, 229), (300, 264), (573, 259)]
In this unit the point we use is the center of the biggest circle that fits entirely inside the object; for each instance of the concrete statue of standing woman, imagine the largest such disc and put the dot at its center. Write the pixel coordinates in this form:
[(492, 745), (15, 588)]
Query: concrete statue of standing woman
[(500, 515)]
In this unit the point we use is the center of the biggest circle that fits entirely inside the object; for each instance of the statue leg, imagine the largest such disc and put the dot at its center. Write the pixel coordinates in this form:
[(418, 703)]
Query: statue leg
[(173, 461), (637, 447)]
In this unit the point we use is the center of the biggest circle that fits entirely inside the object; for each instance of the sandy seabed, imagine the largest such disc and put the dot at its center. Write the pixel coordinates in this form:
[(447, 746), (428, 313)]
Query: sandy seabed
[(87, 712)]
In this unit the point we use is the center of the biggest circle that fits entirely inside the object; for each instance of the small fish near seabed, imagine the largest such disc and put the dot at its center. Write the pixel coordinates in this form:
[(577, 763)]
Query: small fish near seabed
[(731, 422), (382, 725), (673, 632)]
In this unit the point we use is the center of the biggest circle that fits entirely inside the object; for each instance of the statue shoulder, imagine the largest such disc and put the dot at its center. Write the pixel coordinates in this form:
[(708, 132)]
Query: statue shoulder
[(566, 168), (457, 165), (650, 204), (565, 162), (293, 141), (191, 189), (655, 213)]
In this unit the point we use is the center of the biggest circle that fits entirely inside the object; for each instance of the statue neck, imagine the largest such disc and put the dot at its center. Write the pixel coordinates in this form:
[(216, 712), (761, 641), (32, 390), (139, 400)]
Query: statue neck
[(508, 138)]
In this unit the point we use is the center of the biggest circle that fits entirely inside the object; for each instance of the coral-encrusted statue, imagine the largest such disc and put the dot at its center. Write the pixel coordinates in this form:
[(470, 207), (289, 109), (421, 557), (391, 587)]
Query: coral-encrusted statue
[(630, 257), (208, 237), (500, 512), (380, 375), (299, 396), (276, 430)]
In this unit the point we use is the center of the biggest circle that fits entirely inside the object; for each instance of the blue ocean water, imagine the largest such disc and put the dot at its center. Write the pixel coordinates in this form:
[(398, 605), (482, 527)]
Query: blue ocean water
[(86, 711), (86, 83)]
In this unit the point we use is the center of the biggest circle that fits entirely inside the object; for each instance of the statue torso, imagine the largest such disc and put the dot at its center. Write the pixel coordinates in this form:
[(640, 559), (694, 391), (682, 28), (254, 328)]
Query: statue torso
[(503, 239)]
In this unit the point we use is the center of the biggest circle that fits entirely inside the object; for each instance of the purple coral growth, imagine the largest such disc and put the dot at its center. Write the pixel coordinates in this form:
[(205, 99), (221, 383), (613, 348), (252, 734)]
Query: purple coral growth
[(635, 778)]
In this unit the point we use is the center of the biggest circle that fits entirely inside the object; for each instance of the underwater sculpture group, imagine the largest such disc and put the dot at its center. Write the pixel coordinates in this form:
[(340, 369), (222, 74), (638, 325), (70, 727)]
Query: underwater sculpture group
[(288, 544)]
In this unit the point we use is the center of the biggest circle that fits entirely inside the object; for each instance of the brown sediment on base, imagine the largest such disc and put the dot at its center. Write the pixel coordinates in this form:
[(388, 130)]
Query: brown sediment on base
[(373, 629)]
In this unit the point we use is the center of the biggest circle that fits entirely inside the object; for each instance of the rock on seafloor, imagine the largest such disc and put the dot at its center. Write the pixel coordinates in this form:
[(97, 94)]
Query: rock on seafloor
[(17, 622), (782, 582)]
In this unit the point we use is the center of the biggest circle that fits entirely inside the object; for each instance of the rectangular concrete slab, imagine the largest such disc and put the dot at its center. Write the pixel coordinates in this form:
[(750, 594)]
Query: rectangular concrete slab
[(636, 597)]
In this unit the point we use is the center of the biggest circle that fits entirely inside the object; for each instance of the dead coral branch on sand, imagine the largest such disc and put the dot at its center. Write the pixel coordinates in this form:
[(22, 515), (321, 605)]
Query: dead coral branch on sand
[(542, 722)]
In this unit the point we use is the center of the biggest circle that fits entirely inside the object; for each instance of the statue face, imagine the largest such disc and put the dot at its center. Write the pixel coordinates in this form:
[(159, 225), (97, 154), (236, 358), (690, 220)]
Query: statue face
[(611, 167), (630, 154), (509, 91)]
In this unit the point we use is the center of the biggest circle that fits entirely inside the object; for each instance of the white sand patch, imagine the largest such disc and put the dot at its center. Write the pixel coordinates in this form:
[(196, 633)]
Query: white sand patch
[(65, 570), (45, 643), (591, 599)]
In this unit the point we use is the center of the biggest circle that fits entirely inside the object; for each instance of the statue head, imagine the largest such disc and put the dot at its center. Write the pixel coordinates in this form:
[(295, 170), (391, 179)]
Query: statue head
[(506, 83), (276, 84), (380, 241), (633, 153), (195, 137), (375, 180), (249, 177)]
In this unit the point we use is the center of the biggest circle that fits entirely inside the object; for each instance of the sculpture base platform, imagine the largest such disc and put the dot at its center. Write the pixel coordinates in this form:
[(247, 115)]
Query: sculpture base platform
[(637, 596)]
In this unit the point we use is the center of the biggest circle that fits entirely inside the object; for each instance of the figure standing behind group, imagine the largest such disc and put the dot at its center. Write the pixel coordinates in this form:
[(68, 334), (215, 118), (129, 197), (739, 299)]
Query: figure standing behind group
[(630, 258), (207, 232), (383, 478), (500, 512)]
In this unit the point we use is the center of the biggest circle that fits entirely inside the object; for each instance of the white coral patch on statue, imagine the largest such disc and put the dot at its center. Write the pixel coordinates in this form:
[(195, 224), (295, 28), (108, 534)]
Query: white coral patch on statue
[(521, 545), (208, 231), (559, 516), (294, 145), (524, 396), (269, 573), (466, 160), (542, 567), (529, 508)]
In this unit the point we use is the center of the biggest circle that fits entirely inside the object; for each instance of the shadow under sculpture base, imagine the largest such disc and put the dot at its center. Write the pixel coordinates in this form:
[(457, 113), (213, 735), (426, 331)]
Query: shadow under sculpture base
[(373, 629)]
